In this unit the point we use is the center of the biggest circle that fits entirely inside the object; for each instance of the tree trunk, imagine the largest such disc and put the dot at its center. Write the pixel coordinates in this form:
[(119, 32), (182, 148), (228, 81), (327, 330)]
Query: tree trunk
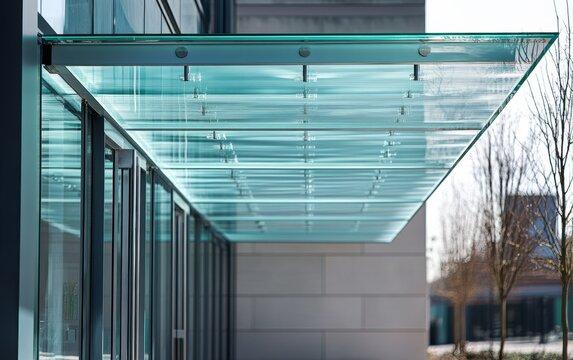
[(456, 328), (503, 326), (462, 328), (564, 318)]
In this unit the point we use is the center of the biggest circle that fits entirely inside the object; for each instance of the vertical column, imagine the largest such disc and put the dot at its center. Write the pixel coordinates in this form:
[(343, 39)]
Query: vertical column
[(223, 17), (19, 181), (93, 138)]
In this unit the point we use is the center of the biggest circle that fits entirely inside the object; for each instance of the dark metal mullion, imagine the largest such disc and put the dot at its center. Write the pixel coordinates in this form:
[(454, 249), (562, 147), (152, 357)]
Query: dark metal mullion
[(197, 288), (212, 295), (93, 179), (232, 299), (169, 17), (173, 336), (134, 270), (220, 297), (182, 292), (224, 16), (140, 346), (126, 220), (151, 174), (85, 235), (116, 254)]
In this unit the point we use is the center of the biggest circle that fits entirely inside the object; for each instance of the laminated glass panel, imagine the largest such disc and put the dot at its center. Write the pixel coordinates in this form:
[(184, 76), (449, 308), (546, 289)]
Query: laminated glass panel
[(60, 224), (108, 246), (147, 269), (153, 17), (129, 16), (191, 292), (69, 16), (304, 138), (162, 268)]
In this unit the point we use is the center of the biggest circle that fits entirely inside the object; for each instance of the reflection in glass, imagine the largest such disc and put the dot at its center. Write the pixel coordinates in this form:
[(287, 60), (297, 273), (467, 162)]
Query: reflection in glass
[(129, 16), (216, 299), (163, 243), (68, 16), (147, 259), (116, 16), (103, 17), (190, 286), (107, 254), (279, 154), (60, 227)]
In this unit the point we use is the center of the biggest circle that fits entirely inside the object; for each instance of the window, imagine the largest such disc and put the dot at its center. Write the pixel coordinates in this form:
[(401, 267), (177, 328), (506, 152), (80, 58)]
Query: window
[(163, 244), (60, 227)]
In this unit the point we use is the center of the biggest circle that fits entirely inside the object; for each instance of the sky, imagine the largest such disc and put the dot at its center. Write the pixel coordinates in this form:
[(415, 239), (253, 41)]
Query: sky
[(479, 16)]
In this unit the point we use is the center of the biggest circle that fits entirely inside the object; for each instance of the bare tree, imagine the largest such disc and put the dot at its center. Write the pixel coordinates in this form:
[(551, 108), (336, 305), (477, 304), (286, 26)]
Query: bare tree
[(505, 217), (459, 263), (552, 108)]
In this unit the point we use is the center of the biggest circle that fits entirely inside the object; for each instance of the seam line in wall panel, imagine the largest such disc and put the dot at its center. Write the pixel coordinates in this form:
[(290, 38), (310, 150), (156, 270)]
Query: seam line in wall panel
[(363, 309), (319, 331), (253, 310), (323, 275), (323, 345), (332, 295), (349, 254)]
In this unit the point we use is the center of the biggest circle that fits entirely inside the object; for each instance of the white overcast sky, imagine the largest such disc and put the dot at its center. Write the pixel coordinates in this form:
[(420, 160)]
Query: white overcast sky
[(479, 16)]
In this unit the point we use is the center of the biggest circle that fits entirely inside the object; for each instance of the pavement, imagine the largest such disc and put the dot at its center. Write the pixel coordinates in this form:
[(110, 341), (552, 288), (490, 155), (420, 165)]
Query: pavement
[(511, 346)]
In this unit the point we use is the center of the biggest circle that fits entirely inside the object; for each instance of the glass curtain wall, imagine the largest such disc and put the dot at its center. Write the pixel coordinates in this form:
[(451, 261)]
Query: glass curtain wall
[(208, 267), (60, 332), (162, 262), (108, 253), (60, 225), (117, 16), (214, 286)]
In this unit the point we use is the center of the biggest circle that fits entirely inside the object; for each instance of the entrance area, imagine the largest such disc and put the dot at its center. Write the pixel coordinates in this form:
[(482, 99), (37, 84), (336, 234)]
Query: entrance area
[(129, 269), (159, 153)]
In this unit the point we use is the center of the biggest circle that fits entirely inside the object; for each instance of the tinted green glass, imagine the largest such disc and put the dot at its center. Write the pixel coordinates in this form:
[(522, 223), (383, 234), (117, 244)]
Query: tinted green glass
[(162, 268), (60, 227), (108, 246), (341, 151)]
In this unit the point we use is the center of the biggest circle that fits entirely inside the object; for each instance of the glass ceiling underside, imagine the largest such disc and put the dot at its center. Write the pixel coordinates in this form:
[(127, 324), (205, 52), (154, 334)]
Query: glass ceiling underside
[(331, 146)]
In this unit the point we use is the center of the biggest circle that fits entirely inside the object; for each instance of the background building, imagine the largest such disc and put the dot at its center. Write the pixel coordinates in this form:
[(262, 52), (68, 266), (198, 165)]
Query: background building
[(534, 304)]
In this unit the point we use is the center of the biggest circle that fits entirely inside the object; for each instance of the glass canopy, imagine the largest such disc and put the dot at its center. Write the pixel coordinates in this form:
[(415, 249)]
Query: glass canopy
[(303, 138)]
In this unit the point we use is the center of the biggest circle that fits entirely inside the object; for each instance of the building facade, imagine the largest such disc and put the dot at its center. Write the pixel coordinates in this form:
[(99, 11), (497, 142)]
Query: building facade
[(138, 264), (173, 195)]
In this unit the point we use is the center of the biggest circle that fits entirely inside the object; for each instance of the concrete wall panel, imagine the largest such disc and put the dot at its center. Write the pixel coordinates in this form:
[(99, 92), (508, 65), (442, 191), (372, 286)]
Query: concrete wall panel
[(375, 275), (279, 275), (390, 312), (376, 346), (308, 313), (279, 346)]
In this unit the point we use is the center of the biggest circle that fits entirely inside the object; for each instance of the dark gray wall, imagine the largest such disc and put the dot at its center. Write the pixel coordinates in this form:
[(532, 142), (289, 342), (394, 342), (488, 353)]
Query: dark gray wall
[(330, 16)]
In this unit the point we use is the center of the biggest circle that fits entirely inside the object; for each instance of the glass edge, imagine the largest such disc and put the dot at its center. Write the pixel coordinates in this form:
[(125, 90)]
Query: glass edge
[(437, 37), (494, 116), (551, 36)]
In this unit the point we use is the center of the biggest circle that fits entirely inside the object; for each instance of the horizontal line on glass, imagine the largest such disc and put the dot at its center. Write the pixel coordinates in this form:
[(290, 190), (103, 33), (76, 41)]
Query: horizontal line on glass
[(379, 218), (301, 166), (277, 200), (303, 128)]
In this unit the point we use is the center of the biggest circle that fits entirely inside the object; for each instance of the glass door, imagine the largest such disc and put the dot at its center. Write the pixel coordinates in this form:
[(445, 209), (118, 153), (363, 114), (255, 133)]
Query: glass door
[(123, 267), (180, 282)]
